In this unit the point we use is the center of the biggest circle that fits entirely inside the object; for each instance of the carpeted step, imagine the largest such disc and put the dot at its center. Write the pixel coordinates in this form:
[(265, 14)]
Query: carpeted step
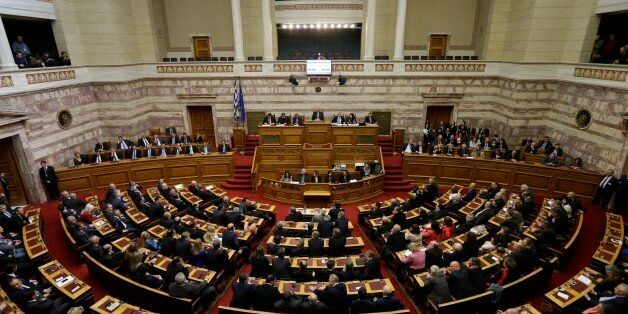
[(239, 181), (393, 172), (387, 153), (401, 188), (231, 186), (243, 176), (243, 166), (249, 153)]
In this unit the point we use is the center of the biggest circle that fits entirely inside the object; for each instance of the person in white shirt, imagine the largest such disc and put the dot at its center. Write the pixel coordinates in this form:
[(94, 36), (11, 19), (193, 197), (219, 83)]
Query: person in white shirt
[(114, 155), (97, 158), (156, 140)]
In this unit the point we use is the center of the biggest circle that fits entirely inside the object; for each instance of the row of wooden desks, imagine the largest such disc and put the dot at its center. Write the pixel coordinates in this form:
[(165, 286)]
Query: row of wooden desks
[(63, 281), (366, 208), (373, 287), (410, 215), (133, 213), (33, 237), (572, 290), (292, 242), (321, 262), (611, 243), (111, 305)]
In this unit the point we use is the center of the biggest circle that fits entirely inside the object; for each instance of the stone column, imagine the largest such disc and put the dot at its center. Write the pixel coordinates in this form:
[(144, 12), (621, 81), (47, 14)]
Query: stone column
[(7, 62), (369, 29), (268, 30), (236, 18), (401, 29)]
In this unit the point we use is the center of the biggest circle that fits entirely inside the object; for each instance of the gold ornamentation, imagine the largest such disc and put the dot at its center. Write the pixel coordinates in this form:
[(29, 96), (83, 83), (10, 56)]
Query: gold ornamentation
[(601, 74), (289, 67), (318, 6), (448, 67), (46, 77), (6, 81), (387, 67), (64, 119), (583, 119), (218, 68), (347, 67), (252, 68)]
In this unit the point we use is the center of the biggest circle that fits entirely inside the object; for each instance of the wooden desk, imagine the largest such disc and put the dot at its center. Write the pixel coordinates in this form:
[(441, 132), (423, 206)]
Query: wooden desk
[(343, 192), (133, 213), (280, 135), (572, 290), (355, 135), (292, 242), (33, 238), (100, 307), (373, 287), (545, 180), (610, 245), (74, 289), (410, 215), (524, 309), (10, 306), (267, 208), (188, 196), (363, 209), (213, 167)]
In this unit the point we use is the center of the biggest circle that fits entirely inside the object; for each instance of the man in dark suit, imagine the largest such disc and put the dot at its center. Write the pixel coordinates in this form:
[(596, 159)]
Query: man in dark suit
[(49, 179), (282, 120), (243, 293), (433, 255), (334, 295), (338, 119), (546, 145), (230, 238), (325, 227), (269, 120), (294, 215), (266, 295), (182, 288), (223, 148), (297, 120), (303, 177), (143, 141), (42, 304), (372, 267), (317, 115), (274, 247), (369, 119), (388, 302), (471, 193), (5, 189), (396, 241), (182, 246), (364, 303), (431, 189), (342, 223), (110, 258), (313, 306), (316, 245), (337, 243), (322, 275), (281, 265), (185, 139), (605, 189), (408, 147), (458, 280), (527, 204)]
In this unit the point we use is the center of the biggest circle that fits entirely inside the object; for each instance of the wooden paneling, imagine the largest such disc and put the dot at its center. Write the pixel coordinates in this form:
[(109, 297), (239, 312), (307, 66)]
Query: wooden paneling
[(384, 120), (254, 120), (202, 122), (211, 168), (8, 165), (202, 46), (438, 45), (548, 181), (280, 135), (435, 114)]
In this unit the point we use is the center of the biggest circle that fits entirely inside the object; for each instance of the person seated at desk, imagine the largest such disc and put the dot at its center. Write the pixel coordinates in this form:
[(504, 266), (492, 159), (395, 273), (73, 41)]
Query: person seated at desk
[(269, 120), (182, 288), (189, 149), (123, 144), (143, 141), (223, 148), (185, 138), (161, 151), (297, 120), (78, 159), (199, 139), (287, 177), (369, 119), (303, 177), (338, 119), (174, 139), (317, 115), (157, 141), (408, 147), (351, 119), (315, 178), (463, 151), (99, 146), (330, 177), (113, 155)]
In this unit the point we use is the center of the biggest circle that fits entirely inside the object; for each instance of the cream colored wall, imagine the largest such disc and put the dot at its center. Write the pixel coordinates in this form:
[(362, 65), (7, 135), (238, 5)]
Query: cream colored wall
[(252, 27), (185, 17), (385, 23), (540, 30), (159, 29), (443, 16), (105, 32)]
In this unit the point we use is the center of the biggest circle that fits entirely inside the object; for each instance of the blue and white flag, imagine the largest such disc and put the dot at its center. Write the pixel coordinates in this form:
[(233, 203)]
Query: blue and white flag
[(239, 113)]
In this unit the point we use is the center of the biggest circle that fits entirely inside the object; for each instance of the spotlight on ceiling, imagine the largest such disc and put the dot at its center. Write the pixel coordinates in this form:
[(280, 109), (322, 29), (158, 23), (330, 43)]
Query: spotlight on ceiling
[(298, 26), (290, 26), (293, 80), (318, 25), (338, 25), (311, 25), (342, 80), (345, 26), (325, 25), (352, 25), (284, 26), (304, 25), (332, 25)]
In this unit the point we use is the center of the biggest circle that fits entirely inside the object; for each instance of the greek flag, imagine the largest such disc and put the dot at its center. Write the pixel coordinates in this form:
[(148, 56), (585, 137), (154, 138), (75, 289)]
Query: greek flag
[(239, 113)]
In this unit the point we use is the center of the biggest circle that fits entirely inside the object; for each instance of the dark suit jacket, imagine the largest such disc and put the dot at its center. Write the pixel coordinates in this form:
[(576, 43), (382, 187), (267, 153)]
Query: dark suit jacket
[(281, 268), (440, 289), (189, 289), (48, 174), (270, 120), (265, 297), (337, 245), (386, 304), (343, 225), (316, 247), (372, 269), (242, 295), (321, 116), (224, 147), (325, 228), (335, 297), (459, 284)]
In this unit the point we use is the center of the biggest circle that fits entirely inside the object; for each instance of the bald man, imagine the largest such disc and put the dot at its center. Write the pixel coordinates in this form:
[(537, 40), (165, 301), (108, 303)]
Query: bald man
[(334, 295), (388, 302), (458, 280), (313, 306)]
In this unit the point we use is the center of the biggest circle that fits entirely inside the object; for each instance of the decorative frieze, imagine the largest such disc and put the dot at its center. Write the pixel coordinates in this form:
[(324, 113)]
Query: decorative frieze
[(600, 74), (387, 67), (6, 81), (289, 67), (218, 68), (252, 68), (347, 67), (318, 6), (449, 67), (47, 77)]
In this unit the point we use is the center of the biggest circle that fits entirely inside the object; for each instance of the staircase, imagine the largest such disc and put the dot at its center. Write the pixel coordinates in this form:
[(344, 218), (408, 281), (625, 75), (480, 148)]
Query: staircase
[(252, 141), (386, 143), (242, 177), (393, 178)]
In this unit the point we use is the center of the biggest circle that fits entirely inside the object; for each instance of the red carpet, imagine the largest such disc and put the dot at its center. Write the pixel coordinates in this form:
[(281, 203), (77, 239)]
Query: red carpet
[(584, 248)]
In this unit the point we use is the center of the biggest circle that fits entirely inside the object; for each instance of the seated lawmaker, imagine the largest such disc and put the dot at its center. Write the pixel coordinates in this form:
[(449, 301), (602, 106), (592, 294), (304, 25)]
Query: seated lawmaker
[(369, 119), (269, 120), (223, 148), (303, 177), (338, 119), (351, 119), (408, 147), (287, 177), (297, 120), (317, 115), (183, 288)]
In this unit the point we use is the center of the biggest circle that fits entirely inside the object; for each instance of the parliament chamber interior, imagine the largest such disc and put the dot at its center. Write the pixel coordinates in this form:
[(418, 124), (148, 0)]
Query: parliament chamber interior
[(313, 156)]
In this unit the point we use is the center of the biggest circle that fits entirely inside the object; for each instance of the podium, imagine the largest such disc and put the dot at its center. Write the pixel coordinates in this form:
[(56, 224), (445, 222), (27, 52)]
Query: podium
[(316, 195)]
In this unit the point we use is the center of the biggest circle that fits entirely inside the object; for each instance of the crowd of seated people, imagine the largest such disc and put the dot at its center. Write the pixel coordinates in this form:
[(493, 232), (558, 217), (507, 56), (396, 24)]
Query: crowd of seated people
[(456, 273), (146, 146), (468, 141), (312, 55), (609, 50), (318, 115), (333, 176), (25, 59)]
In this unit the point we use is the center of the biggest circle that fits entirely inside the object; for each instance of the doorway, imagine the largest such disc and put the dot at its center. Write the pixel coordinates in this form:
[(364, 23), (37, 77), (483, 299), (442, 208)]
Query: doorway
[(435, 114), (202, 46), (202, 122), (9, 166), (438, 45)]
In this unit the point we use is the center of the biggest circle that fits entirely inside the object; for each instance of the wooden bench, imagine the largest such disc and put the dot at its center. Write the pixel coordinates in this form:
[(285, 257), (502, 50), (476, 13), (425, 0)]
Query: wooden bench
[(483, 302), (74, 244), (234, 310), (141, 295)]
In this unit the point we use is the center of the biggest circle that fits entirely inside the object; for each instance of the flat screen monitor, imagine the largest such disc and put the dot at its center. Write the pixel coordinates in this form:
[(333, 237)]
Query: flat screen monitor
[(318, 67)]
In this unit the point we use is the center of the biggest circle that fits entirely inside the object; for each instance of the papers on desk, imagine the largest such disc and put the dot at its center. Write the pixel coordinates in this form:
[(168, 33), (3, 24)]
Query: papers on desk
[(563, 296), (359, 164), (62, 281), (353, 180), (99, 223), (210, 187), (178, 186), (407, 253), (469, 157), (584, 280), (495, 259)]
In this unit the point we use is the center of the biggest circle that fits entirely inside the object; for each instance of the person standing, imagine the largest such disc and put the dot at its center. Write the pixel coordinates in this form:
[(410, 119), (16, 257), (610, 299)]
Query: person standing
[(20, 46), (605, 189), (5, 189), (49, 179), (621, 196)]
